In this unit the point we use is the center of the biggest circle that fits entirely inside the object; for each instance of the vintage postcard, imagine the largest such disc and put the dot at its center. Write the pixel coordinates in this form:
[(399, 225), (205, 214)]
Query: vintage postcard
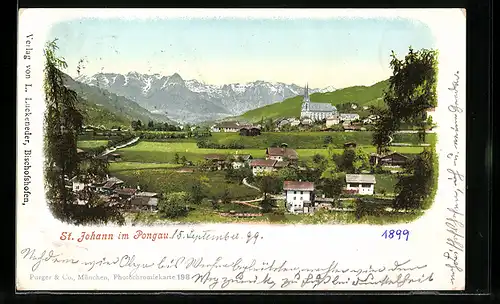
[(241, 149)]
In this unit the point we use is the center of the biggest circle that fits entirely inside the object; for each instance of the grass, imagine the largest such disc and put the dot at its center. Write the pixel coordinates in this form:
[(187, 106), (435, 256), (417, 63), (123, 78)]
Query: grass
[(130, 166), (89, 144), (385, 182), (163, 152), (166, 180), (309, 140)]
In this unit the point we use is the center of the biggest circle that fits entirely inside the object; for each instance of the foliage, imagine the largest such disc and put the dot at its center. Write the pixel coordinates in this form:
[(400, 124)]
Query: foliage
[(333, 186), (269, 183), (174, 204), (63, 122), (411, 92), (416, 183), (353, 160)]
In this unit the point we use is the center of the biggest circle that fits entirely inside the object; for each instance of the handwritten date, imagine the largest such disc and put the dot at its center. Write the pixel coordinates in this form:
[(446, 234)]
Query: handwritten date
[(399, 234)]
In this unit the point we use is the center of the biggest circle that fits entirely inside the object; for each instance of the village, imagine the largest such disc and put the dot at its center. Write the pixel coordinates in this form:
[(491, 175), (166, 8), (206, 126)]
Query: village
[(276, 179)]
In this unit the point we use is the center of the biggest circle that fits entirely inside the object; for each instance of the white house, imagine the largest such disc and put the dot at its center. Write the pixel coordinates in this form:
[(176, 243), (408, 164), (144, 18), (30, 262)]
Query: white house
[(226, 127), (299, 196), (347, 117), (260, 166), (239, 161), (294, 122), (332, 120), (78, 185), (363, 184)]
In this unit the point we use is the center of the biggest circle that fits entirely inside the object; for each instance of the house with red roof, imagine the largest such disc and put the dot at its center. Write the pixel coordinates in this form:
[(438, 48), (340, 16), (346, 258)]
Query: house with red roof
[(281, 154)]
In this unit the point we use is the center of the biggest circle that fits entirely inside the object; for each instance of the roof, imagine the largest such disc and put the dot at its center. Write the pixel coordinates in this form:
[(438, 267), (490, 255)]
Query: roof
[(360, 178), (294, 185), (263, 162), (248, 127), (394, 153), (286, 152), (147, 194), (281, 164), (321, 107), (114, 179), (333, 117), (130, 191), (215, 157), (349, 115), (243, 156), (228, 124)]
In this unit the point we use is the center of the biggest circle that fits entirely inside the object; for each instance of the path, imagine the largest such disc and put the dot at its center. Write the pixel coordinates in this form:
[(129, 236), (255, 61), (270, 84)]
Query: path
[(107, 151), (248, 185)]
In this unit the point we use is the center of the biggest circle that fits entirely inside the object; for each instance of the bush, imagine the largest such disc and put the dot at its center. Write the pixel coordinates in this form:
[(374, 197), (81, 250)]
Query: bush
[(174, 205)]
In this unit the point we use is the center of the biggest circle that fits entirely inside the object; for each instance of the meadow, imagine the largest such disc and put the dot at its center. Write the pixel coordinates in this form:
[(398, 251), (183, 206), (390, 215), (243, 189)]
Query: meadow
[(164, 152), (90, 144), (167, 180)]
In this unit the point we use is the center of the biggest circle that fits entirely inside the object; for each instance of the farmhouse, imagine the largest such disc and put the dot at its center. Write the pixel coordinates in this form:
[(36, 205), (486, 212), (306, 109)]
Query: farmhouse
[(250, 131), (78, 184), (239, 161), (393, 159), (315, 110), (332, 120), (282, 122), (229, 126), (360, 183), (281, 154), (126, 192), (299, 196), (350, 144), (218, 161), (262, 165), (145, 201), (346, 117), (111, 184)]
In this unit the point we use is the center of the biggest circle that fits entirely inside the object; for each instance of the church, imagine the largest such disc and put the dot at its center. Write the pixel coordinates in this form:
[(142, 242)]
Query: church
[(316, 110)]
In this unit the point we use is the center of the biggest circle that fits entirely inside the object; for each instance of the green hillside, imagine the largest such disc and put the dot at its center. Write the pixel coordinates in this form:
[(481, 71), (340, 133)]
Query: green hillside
[(360, 95), (96, 116), (104, 108)]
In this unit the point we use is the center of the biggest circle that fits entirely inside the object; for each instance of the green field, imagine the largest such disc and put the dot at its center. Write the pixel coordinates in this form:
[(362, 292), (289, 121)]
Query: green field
[(385, 182), (168, 180), (90, 144), (164, 152), (310, 140), (131, 166), (362, 95)]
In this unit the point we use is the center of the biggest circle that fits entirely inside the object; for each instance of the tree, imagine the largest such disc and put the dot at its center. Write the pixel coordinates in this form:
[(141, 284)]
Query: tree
[(151, 125), (183, 160), (288, 174), (411, 92), (176, 158), (333, 186), (416, 182), (174, 204), (226, 196), (269, 183), (196, 194), (62, 124), (328, 140), (330, 172), (361, 160)]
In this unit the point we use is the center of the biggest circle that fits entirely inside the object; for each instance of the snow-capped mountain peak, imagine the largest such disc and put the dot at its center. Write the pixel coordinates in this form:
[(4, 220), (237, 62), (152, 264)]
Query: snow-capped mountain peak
[(193, 100)]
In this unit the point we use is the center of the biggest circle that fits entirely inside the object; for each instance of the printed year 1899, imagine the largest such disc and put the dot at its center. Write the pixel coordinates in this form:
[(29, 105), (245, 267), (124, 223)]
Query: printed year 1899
[(398, 234)]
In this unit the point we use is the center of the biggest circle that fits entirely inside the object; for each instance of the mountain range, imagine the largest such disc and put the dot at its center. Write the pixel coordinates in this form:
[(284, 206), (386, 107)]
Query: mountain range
[(192, 101), (100, 107)]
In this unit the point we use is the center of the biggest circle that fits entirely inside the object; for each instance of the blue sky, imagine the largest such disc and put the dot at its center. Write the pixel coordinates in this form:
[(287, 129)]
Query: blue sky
[(323, 52)]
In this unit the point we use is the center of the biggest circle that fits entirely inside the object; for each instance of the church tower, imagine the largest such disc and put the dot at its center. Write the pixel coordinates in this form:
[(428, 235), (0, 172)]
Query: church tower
[(306, 99)]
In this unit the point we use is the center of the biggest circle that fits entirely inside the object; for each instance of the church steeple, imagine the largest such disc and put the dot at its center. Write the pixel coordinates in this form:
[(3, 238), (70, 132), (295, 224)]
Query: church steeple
[(306, 93)]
